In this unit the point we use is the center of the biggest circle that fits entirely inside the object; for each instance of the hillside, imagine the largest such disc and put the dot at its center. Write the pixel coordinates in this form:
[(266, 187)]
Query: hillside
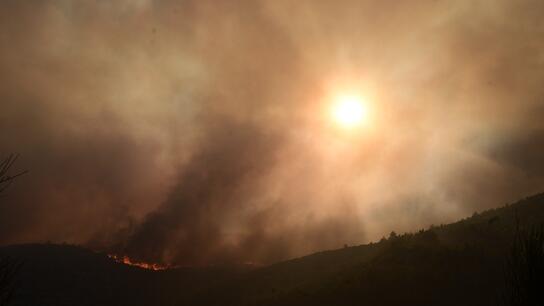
[(455, 264), (71, 275)]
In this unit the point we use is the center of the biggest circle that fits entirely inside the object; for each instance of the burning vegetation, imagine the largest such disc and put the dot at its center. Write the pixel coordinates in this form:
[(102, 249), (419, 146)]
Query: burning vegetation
[(144, 265)]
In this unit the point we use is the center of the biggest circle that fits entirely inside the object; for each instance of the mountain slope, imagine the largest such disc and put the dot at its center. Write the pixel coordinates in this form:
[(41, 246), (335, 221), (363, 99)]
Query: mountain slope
[(460, 263), (455, 264)]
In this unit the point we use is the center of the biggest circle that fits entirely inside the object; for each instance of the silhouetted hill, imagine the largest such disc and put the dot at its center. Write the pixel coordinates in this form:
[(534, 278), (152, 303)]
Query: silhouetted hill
[(456, 264), (70, 275)]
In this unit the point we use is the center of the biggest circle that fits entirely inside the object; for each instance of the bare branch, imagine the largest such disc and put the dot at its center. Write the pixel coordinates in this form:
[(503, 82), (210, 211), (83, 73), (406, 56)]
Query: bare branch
[(5, 178)]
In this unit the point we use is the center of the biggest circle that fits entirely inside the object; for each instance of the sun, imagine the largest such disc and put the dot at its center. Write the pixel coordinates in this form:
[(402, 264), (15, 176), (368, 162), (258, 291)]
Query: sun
[(349, 110)]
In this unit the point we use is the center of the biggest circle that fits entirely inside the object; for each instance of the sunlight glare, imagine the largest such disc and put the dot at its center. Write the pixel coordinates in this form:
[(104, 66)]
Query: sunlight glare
[(349, 110)]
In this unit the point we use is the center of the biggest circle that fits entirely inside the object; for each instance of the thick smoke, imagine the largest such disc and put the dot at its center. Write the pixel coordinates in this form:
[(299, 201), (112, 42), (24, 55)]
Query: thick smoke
[(197, 132)]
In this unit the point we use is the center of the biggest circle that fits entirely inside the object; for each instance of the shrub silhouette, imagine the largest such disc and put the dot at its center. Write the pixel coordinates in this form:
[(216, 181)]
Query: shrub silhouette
[(524, 273), (8, 269)]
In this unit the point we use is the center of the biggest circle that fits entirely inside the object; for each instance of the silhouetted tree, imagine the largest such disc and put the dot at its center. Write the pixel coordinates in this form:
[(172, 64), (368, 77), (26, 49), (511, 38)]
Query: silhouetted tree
[(8, 267), (524, 272), (393, 235)]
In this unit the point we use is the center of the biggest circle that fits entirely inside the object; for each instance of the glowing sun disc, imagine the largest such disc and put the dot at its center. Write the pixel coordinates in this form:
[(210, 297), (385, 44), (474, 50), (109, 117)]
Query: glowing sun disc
[(349, 111)]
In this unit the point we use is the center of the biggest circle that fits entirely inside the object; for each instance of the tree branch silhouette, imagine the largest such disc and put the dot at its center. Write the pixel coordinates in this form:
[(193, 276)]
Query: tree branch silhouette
[(5, 178), (8, 266)]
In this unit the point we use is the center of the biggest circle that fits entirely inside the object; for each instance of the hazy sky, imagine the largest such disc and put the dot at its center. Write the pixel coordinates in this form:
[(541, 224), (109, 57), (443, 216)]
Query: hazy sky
[(196, 132)]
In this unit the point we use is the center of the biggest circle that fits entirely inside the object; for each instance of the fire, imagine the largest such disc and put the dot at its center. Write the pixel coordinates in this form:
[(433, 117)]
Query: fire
[(144, 265)]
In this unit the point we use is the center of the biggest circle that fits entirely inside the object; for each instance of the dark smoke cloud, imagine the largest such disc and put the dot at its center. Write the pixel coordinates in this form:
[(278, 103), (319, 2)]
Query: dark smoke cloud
[(197, 132), (213, 188)]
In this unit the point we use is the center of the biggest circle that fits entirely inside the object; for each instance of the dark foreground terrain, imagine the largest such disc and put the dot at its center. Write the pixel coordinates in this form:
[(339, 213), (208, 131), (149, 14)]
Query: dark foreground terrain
[(457, 264)]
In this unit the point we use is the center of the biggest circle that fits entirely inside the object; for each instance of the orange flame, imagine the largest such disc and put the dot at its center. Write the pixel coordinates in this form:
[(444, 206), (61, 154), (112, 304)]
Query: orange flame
[(144, 265)]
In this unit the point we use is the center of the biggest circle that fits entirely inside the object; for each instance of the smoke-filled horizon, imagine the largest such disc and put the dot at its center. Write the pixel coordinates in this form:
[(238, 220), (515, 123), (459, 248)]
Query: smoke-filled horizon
[(199, 132)]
